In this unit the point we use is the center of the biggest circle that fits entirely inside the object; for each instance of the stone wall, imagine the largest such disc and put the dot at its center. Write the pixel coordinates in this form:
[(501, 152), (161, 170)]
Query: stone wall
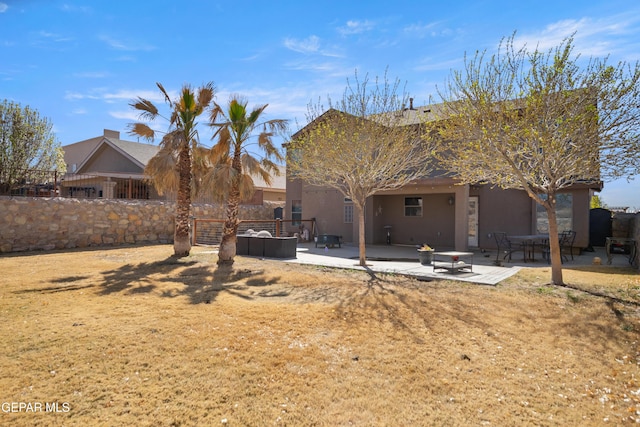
[(57, 223)]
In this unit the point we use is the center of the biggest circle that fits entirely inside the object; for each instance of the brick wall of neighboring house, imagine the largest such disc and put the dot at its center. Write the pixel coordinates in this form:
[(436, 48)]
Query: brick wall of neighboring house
[(42, 224)]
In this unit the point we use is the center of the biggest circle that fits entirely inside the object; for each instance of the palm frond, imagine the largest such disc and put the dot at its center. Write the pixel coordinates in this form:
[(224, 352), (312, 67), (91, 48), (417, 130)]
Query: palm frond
[(141, 130), (172, 140), (250, 165), (270, 167), (200, 167), (217, 181), (205, 95), (265, 142), (237, 111), (148, 111), (277, 125), (246, 187), (256, 113), (166, 95), (216, 112), (187, 100), (221, 149), (161, 171)]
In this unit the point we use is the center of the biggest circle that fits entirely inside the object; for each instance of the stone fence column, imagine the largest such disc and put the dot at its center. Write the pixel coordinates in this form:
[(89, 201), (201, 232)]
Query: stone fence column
[(107, 188)]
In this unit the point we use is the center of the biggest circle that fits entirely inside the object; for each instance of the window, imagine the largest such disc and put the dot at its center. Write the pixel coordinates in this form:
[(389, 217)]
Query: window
[(413, 206), (296, 212), (564, 214), (348, 211)]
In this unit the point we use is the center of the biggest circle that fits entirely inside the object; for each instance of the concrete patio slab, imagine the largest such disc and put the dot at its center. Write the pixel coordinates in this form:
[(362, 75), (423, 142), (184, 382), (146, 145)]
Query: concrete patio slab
[(404, 260)]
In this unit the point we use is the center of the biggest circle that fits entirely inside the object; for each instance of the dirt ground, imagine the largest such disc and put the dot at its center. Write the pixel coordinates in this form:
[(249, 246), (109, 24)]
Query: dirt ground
[(132, 336)]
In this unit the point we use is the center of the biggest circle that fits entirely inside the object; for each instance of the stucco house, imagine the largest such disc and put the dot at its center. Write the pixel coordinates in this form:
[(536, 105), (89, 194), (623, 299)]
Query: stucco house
[(109, 167), (437, 210)]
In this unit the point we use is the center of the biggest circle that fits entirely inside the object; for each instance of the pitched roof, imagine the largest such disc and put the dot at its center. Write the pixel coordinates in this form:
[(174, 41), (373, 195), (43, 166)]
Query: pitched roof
[(141, 153), (137, 151)]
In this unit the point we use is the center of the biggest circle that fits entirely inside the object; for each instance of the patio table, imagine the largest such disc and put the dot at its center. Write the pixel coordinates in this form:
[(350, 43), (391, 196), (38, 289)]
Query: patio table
[(529, 242), (453, 261)]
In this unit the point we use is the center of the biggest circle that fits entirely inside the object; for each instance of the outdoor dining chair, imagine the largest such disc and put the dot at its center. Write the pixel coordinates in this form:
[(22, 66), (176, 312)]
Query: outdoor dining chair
[(566, 240), (504, 246)]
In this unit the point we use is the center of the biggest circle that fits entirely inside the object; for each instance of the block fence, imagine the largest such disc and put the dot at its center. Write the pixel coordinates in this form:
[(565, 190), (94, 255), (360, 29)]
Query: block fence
[(28, 224)]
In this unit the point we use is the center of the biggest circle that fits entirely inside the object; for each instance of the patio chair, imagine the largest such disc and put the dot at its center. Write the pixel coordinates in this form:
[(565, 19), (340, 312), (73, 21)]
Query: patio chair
[(504, 245), (567, 238)]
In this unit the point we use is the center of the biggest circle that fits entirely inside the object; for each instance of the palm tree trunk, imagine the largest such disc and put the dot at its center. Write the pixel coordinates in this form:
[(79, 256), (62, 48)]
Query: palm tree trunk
[(227, 251), (181, 236)]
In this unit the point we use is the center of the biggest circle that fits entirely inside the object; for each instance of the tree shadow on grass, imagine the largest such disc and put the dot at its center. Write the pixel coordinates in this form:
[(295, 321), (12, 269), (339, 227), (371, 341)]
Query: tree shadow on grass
[(66, 284), (199, 282)]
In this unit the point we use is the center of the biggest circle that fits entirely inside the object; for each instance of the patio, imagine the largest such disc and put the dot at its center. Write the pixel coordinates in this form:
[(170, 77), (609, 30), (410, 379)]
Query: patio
[(404, 260)]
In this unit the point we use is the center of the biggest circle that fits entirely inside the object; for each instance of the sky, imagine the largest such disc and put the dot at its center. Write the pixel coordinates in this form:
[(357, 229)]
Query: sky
[(80, 63)]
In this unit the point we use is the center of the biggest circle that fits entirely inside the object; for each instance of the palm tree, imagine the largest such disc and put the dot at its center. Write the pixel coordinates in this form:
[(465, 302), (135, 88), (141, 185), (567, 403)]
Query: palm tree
[(171, 168), (233, 164)]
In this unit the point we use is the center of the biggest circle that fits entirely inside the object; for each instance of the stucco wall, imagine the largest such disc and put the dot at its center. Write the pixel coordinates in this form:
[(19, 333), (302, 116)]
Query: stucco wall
[(42, 223)]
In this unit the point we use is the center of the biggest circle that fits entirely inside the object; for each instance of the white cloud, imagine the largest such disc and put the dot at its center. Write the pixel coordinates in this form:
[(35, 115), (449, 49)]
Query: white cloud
[(154, 96), (425, 30), (309, 45), (75, 95), (593, 36), (356, 27), (125, 45), (117, 96), (130, 115), (3, 7)]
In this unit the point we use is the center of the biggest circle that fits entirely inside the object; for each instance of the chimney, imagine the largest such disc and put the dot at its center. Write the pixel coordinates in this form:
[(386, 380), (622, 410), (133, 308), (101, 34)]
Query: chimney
[(411, 104), (111, 134)]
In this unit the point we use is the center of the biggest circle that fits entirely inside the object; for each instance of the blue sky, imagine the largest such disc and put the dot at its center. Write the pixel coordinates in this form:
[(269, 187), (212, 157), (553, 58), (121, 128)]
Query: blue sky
[(80, 63)]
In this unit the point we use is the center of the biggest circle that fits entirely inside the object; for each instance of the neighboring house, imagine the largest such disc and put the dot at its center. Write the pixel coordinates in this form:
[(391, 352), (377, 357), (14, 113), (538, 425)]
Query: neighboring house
[(109, 167), (436, 210)]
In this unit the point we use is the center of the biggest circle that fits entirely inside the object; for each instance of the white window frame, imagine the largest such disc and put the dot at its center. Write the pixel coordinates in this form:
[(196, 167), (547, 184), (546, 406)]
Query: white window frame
[(409, 208)]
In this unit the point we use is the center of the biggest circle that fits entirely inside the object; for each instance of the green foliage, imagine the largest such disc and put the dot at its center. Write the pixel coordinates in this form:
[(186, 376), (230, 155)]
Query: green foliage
[(27, 142), (596, 202)]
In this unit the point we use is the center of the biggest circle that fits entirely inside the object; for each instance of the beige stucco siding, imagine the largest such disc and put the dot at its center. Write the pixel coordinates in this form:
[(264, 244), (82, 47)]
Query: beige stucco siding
[(109, 160)]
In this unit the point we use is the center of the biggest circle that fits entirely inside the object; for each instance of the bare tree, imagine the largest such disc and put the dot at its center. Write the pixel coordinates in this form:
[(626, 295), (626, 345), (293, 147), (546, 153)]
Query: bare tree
[(539, 122), (366, 143)]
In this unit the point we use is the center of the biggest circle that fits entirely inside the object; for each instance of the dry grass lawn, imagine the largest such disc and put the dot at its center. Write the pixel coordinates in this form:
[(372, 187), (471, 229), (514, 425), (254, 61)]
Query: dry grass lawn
[(131, 336)]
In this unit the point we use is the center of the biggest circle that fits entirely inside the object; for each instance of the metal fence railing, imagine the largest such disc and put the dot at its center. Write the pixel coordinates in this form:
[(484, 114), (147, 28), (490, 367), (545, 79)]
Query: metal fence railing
[(37, 183), (209, 231)]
